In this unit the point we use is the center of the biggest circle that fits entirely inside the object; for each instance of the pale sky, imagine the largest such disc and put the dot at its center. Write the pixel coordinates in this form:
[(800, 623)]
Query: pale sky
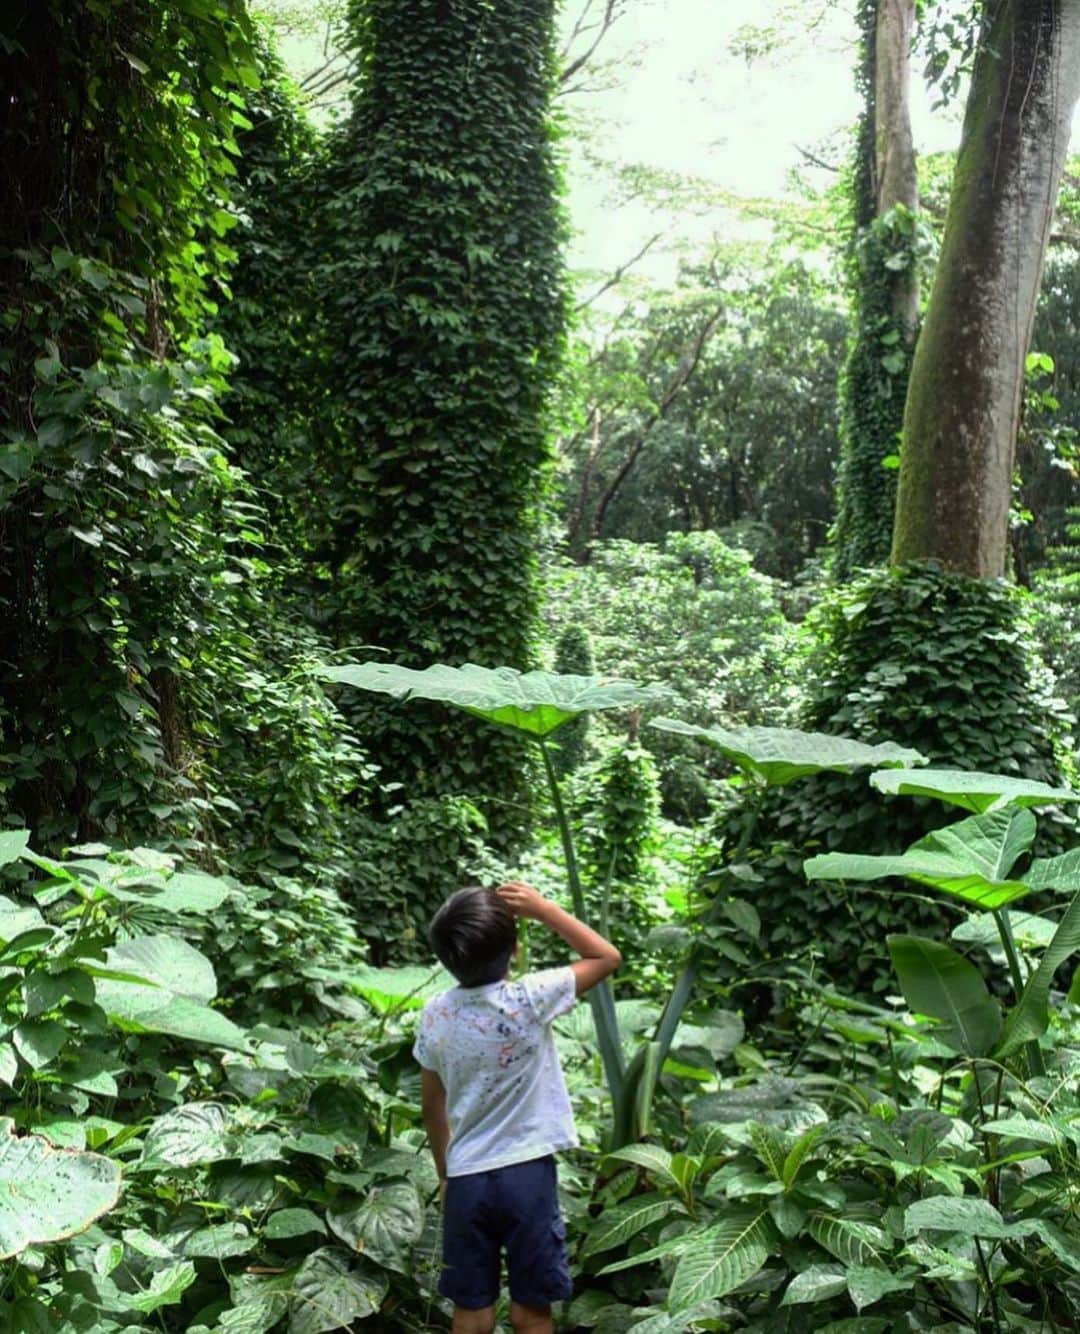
[(687, 100), (692, 103)]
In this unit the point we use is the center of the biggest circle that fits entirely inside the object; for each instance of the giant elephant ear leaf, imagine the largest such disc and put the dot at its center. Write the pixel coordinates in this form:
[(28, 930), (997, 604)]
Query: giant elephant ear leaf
[(780, 755), (535, 703), (48, 1194), (971, 859), (974, 791)]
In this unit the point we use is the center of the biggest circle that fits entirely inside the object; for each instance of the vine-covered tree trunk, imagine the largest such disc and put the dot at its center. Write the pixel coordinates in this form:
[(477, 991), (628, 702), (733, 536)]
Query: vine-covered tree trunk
[(448, 281), (885, 288), (967, 380)]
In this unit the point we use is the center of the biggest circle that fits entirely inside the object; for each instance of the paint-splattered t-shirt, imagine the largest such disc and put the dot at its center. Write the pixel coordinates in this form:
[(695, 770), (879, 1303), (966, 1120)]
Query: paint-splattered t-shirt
[(493, 1049)]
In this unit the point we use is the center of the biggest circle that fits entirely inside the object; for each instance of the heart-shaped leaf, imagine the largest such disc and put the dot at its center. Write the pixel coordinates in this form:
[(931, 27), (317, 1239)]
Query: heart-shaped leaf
[(535, 703), (780, 755), (382, 1225), (48, 1194), (971, 859)]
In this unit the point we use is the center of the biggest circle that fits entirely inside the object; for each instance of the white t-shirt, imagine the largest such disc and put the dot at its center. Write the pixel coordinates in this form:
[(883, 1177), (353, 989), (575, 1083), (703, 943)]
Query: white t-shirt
[(493, 1049)]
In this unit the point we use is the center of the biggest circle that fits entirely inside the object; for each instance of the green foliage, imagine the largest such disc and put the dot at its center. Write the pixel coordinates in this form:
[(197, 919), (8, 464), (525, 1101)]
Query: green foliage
[(694, 614), (744, 444), (445, 286), (573, 657), (624, 805), (947, 664)]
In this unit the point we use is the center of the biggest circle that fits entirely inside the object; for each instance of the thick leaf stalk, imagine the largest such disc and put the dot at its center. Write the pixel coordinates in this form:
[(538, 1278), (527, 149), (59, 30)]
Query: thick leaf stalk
[(600, 997)]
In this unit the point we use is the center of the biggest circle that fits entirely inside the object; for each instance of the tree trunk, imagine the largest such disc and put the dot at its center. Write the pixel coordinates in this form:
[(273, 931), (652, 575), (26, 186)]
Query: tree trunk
[(884, 277), (967, 380), (894, 148)]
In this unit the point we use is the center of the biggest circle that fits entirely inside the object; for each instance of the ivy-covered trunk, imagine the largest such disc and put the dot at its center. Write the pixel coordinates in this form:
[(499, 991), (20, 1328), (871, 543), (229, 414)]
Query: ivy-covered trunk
[(967, 380), (448, 283), (885, 290)]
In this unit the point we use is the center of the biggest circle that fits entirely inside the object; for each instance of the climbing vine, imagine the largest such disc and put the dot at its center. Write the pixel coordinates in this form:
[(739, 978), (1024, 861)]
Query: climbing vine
[(447, 287), (875, 375)]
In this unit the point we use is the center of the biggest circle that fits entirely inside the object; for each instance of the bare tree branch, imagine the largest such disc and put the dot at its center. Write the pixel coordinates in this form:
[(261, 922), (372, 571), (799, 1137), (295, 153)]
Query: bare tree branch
[(613, 10), (685, 372), (814, 160), (618, 273)]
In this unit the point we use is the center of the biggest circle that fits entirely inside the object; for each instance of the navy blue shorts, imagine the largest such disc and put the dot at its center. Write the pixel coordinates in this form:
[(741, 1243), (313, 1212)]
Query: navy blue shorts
[(515, 1209)]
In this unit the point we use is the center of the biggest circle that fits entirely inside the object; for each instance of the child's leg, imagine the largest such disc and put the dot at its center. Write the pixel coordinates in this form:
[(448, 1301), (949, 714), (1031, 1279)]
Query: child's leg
[(474, 1322), (531, 1319)]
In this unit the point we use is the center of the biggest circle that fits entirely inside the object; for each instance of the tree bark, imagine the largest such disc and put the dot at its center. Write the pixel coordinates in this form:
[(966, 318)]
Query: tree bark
[(894, 147), (966, 386)]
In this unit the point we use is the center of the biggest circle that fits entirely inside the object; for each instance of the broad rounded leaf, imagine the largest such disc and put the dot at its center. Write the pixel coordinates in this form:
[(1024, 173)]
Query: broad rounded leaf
[(970, 859), (867, 1284), (175, 981), (287, 1223), (194, 1133), (12, 844), (721, 1259), (166, 961), (938, 982), (532, 702), (48, 1194), (330, 1293), (186, 891), (945, 1213), (780, 755), (392, 989), (974, 791), (17, 919), (382, 1225), (816, 1284), (1060, 873)]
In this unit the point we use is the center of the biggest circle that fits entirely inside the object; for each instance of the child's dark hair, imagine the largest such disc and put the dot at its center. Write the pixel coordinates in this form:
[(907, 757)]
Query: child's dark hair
[(474, 935)]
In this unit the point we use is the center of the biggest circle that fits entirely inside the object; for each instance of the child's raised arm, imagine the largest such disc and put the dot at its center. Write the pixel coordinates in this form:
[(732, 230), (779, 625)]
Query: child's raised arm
[(599, 957)]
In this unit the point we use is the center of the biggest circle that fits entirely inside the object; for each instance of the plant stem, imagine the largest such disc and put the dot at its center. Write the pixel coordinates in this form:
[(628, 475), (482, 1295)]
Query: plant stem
[(601, 999), (1008, 941), (676, 1003)]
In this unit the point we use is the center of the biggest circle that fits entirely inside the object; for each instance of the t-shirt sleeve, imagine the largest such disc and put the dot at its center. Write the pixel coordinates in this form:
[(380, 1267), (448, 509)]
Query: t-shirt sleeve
[(551, 992), (424, 1048)]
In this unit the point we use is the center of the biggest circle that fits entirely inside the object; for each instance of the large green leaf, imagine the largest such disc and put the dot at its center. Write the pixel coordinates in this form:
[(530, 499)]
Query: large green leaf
[(722, 1258), (186, 891), (329, 1293), (17, 919), (942, 984), (175, 982), (1028, 1020), (12, 843), (625, 1220), (815, 1284), (1060, 873), (974, 791), (187, 1136), (533, 702), (943, 1213), (382, 1225), (392, 989), (48, 1194), (779, 755), (971, 859)]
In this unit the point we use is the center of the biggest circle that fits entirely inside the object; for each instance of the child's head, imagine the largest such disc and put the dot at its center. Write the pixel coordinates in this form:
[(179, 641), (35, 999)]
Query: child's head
[(474, 936)]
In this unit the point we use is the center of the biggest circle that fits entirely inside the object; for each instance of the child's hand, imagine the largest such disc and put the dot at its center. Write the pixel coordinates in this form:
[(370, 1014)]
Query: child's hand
[(522, 899)]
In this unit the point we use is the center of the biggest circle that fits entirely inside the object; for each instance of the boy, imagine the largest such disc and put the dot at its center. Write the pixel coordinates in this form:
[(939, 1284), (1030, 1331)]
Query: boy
[(495, 1104)]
